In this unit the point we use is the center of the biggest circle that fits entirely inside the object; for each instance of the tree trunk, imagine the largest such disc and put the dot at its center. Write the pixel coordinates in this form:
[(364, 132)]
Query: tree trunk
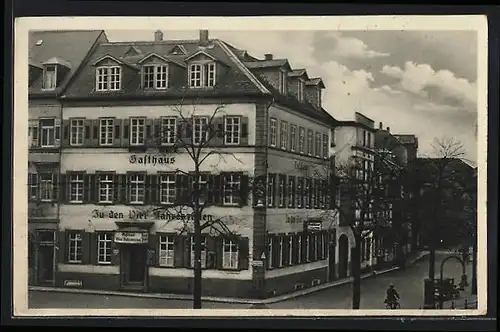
[(356, 274), (197, 261), (432, 261)]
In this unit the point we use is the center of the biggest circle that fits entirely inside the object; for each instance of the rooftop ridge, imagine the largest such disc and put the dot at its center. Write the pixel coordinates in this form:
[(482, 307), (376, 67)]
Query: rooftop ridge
[(152, 42)]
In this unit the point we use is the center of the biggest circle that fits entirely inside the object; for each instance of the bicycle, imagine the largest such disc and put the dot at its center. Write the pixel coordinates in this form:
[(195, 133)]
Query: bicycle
[(392, 305)]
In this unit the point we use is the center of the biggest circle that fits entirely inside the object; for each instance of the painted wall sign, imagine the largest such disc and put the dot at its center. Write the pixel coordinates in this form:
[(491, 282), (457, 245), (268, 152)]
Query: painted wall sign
[(149, 159), (131, 237), (145, 215), (293, 220)]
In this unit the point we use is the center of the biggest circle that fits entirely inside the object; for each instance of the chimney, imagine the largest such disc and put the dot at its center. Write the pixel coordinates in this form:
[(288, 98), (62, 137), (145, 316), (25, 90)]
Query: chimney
[(268, 56), (158, 35), (388, 129), (203, 37), (380, 125)]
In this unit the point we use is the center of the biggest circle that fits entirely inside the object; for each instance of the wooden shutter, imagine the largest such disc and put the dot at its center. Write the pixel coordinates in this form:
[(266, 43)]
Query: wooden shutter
[(210, 185), (87, 128), (125, 132), (62, 254), (120, 188), (157, 137), (87, 188), (187, 250), (243, 253), (115, 257), (86, 248), (211, 252), (94, 188), (63, 188), (147, 189), (276, 250), (154, 189), (55, 186), (117, 139), (218, 183), (149, 131), (153, 249), (244, 130), (178, 250), (93, 248), (65, 133), (244, 190), (95, 133), (218, 252), (57, 132), (216, 133)]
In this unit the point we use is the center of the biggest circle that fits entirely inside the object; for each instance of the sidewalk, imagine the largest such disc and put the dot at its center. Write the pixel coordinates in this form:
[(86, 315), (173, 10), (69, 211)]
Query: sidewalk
[(467, 302), (225, 299)]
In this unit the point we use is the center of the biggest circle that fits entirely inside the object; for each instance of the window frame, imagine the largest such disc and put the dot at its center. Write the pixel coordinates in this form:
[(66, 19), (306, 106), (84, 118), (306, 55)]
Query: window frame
[(207, 74), (109, 187), (204, 251), (138, 185), (166, 179), (48, 128), (302, 140), (45, 76), (171, 138), (229, 135), (310, 142), (77, 241), (273, 132), (138, 126), (80, 187), (293, 137), (108, 243), (51, 184), (283, 135), (164, 240), (72, 131), (155, 72), (106, 131), (108, 78), (317, 149), (201, 128), (235, 194), (231, 244)]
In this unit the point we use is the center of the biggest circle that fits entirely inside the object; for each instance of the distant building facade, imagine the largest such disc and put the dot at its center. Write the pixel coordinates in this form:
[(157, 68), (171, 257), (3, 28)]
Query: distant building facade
[(52, 64)]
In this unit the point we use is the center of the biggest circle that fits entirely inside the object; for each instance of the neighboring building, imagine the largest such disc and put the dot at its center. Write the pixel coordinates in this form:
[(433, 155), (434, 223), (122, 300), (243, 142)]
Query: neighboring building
[(54, 58), (393, 241), (116, 229), (354, 139)]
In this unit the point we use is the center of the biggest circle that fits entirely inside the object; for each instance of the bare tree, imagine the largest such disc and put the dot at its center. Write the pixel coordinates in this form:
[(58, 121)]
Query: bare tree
[(362, 202), (441, 184), (200, 136)]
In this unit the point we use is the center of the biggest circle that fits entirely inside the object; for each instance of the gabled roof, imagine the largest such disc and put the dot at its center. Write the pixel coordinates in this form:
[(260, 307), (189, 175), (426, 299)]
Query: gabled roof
[(200, 52), (267, 64), (70, 46), (181, 48), (317, 81), (106, 57), (299, 73), (132, 51)]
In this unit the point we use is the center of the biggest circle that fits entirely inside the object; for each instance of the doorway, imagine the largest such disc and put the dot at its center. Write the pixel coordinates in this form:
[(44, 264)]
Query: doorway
[(343, 256), (45, 263), (133, 266)]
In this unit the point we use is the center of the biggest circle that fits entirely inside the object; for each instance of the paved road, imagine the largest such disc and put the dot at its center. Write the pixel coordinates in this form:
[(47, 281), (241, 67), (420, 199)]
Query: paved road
[(408, 282)]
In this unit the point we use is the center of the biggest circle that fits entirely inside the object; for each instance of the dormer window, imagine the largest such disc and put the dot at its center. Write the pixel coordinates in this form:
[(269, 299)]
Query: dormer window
[(202, 75), (300, 90), (155, 76), (49, 77), (108, 78), (283, 82)]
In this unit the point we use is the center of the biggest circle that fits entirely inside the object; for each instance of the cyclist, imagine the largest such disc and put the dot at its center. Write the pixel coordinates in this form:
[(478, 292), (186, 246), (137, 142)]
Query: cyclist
[(392, 296)]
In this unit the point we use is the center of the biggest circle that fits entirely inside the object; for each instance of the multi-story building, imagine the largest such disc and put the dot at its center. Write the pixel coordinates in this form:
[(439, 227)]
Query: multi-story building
[(54, 58), (118, 228), (354, 140)]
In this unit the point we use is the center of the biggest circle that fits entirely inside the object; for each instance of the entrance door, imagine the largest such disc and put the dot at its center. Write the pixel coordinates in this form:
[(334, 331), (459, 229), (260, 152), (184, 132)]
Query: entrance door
[(133, 265), (45, 264), (343, 255), (331, 258)]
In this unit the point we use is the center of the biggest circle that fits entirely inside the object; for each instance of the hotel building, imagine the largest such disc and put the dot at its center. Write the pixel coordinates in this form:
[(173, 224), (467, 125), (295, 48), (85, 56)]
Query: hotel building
[(52, 64), (118, 228)]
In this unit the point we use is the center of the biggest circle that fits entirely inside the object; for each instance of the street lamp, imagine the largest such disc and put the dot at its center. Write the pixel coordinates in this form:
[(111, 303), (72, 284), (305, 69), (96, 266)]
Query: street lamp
[(463, 280)]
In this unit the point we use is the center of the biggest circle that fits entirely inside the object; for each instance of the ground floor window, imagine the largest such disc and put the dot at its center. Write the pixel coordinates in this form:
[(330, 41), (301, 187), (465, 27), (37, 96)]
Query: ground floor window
[(74, 247), (104, 241)]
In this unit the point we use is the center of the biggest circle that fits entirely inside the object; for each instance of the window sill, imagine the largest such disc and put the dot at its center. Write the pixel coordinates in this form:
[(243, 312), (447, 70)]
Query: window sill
[(103, 263), (105, 203), (136, 203), (75, 202), (74, 263)]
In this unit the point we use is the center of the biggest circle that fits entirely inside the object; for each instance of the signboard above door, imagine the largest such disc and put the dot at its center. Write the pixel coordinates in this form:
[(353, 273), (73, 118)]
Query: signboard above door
[(131, 237)]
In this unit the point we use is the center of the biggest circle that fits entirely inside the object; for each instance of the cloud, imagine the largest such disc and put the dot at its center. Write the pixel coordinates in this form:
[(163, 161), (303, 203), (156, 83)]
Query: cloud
[(348, 47), (442, 86)]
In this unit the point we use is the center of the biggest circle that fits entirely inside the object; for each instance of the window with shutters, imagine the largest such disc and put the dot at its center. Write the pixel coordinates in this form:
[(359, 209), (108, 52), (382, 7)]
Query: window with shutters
[(33, 133), (168, 131), (302, 139), (48, 133), (291, 191), (106, 188), (231, 189), (203, 252), (76, 132), (325, 146), (270, 252), (283, 135), (283, 82), (310, 145), (137, 131), (106, 131), (108, 78), (32, 186), (202, 75), (232, 130), (202, 190), (74, 247), (46, 181), (299, 249), (300, 193), (137, 187), (76, 188), (300, 90), (293, 138), (290, 250), (167, 189), (273, 132), (318, 148), (281, 191), (166, 250), (229, 254), (281, 251), (155, 77), (104, 241), (200, 130), (271, 189), (307, 193)]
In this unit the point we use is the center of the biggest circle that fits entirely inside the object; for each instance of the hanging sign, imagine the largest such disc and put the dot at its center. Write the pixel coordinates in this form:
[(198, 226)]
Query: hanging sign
[(131, 237), (314, 226)]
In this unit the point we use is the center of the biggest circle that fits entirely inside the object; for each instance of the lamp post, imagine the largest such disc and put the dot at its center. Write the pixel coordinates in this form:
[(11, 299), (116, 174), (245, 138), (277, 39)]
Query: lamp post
[(463, 280)]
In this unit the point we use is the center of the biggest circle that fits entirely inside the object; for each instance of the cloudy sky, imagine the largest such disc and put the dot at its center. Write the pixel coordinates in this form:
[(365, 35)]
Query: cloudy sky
[(415, 82)]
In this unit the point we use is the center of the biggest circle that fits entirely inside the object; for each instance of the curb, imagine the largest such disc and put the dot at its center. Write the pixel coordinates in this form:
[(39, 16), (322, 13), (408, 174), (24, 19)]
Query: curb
[(219, 299)]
